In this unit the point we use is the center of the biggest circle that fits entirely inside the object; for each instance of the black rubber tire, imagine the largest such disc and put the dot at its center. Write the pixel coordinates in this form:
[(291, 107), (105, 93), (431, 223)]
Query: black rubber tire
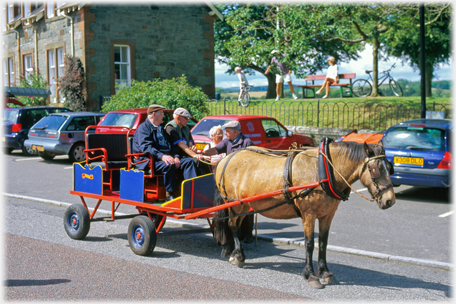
[(245, 101), (142, 236), (396, 88), (27, 151), (46, 155), (76, 221), (361, 88), (76, 155)]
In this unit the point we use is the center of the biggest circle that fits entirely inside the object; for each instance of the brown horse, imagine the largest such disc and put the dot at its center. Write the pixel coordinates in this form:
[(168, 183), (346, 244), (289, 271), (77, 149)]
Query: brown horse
[(250, 173)]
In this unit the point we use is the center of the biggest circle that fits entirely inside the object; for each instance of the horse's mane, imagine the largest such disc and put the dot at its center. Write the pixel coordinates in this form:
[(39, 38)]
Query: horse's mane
[(354, 151)]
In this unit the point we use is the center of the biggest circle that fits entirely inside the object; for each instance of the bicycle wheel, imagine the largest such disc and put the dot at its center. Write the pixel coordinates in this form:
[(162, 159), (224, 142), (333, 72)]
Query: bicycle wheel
[(361, 88), (245, 100), (396, 88)]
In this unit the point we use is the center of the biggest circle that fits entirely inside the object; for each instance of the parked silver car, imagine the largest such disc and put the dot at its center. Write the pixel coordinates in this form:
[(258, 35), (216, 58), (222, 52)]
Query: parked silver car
[(61, 134)]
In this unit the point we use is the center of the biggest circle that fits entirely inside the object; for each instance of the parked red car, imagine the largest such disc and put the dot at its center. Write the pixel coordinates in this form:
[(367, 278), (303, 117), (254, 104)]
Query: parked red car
[(264, 131), (130, 119)]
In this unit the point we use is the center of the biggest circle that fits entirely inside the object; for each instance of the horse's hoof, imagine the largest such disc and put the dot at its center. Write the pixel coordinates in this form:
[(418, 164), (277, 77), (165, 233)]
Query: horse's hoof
[(330, 280), (235, 261), (315, 284), (225, 253)]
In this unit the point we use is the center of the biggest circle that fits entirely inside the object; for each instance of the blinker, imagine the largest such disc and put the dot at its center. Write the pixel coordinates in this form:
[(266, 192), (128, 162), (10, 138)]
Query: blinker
[(375, 172)]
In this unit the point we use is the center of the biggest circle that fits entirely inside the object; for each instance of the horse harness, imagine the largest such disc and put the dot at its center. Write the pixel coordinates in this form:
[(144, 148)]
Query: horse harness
[(326, 177)]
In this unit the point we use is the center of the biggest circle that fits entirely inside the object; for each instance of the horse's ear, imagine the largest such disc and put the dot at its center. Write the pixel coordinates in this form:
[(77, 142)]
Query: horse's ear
[(380, 144), (368, 150)]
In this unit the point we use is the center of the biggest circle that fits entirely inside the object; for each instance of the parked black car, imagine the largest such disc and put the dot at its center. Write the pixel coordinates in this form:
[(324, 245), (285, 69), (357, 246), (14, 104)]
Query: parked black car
[(17, 122)]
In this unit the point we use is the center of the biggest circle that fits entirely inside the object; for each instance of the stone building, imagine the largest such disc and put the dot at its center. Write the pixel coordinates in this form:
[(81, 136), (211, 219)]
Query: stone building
[(116, 43)]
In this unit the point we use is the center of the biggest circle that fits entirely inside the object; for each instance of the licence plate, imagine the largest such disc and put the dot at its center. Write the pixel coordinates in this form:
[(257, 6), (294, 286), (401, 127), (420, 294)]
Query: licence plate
[(38, 148), (200, 146), (408, 160)]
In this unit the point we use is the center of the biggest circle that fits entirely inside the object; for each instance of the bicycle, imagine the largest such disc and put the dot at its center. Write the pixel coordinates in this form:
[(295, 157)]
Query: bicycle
[(245, 98), (363, 87)]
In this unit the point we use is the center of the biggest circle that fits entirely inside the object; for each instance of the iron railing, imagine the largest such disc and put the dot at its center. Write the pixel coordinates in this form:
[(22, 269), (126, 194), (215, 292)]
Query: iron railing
[(327, 114), (330, 114)]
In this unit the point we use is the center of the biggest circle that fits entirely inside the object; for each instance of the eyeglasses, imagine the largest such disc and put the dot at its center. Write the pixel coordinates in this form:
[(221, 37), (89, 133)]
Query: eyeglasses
[(186, 118)]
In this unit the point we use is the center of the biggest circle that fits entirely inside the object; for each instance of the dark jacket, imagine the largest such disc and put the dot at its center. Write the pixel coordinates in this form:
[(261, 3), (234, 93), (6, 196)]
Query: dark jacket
[(148, 139), (226, 146)]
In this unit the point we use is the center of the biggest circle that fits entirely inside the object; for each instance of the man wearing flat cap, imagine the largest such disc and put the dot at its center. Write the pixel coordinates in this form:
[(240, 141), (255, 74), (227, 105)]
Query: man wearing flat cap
[(235, 140), (151, 138)]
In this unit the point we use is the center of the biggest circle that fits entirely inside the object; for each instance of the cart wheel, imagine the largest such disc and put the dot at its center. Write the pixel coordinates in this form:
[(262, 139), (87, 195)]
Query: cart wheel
[(76, 221), (142, 236)]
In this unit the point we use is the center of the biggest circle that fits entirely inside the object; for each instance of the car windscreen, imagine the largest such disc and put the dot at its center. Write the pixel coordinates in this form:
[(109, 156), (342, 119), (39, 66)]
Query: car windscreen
[(10, 115), (119, 120), (415, 138), (204, 126), (52, 122)]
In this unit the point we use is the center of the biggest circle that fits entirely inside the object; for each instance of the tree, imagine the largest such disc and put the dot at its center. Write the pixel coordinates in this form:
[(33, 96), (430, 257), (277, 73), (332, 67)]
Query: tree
[(403, 41), (249, 32), (71, 85)]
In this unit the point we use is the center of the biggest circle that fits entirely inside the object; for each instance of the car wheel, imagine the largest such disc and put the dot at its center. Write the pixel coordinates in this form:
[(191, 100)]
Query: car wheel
[(47, 155), (8, 150), (77, 153), (27, 151)]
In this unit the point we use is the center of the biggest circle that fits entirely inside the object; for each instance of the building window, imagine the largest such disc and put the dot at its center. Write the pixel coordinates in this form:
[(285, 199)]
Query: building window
[(55, 71), (52, 9), (8, 71), (28, 67), (12, 11), (122, 67)]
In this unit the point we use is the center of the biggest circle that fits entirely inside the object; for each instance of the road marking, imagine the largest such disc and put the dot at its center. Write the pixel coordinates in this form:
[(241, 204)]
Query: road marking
[(363, 189), (446, 214), (28, 158), (66, 168)]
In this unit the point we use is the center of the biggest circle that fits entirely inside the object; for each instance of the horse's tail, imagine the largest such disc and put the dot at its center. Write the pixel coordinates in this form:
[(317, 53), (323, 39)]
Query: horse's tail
[(222, 232)]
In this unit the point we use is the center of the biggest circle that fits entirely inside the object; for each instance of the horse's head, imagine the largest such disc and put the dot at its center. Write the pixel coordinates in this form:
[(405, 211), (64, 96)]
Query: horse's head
[(375, 176)]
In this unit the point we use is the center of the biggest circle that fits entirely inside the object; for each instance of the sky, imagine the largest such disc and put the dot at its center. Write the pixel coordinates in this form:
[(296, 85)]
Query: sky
[(444, 72)]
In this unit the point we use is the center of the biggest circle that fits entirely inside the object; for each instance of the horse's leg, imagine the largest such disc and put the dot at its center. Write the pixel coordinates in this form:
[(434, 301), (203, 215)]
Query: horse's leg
[(222, 231), (324, 225), (308, 222), (237, 256)]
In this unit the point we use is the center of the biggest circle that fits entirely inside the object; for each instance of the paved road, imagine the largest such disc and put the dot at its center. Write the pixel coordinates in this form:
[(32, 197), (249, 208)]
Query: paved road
[(411, 228)]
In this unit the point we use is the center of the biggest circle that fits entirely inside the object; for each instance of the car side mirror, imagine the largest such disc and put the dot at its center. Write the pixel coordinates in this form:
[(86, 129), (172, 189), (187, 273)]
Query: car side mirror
[(289, 133)]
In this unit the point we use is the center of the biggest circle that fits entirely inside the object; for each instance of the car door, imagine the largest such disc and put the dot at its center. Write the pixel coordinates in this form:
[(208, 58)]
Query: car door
[(276, 135), (252, 129)]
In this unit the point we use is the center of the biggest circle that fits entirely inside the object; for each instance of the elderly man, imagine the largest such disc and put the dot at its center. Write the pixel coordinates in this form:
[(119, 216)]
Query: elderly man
[(235, 140), (180, 134), (151, 138)]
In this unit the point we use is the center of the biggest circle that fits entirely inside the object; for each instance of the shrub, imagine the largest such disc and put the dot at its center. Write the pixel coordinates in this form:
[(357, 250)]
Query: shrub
[(34, 80), (71, 85), (170, 93)]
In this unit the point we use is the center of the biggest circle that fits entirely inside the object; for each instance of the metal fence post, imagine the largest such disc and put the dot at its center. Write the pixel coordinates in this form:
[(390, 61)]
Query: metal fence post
[(224, 106), (318, 113)]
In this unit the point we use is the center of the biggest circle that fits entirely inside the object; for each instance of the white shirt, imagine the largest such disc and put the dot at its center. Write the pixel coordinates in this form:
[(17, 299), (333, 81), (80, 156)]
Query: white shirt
[(243, 79), (333, 72)]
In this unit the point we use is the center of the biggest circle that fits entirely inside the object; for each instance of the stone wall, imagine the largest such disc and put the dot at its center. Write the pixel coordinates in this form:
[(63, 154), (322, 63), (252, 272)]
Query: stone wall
[(169, 41)]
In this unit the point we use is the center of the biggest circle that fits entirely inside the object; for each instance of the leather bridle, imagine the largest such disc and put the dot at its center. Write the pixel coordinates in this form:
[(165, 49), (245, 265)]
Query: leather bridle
[(374, 170)]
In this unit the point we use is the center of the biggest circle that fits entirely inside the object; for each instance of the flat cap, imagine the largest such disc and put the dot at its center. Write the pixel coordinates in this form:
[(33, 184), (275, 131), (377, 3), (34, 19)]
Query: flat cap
[(154, 108), (182, 112), (233, 124)]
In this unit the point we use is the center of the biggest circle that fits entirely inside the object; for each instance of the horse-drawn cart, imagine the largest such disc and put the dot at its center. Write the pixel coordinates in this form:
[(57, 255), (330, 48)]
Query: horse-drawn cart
[(279, 186), (108, 175)]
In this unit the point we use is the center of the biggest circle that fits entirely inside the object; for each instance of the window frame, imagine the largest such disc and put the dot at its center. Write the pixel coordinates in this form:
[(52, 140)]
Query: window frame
[(23, 55), (54, 48), (8, 70), (131, 45)]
